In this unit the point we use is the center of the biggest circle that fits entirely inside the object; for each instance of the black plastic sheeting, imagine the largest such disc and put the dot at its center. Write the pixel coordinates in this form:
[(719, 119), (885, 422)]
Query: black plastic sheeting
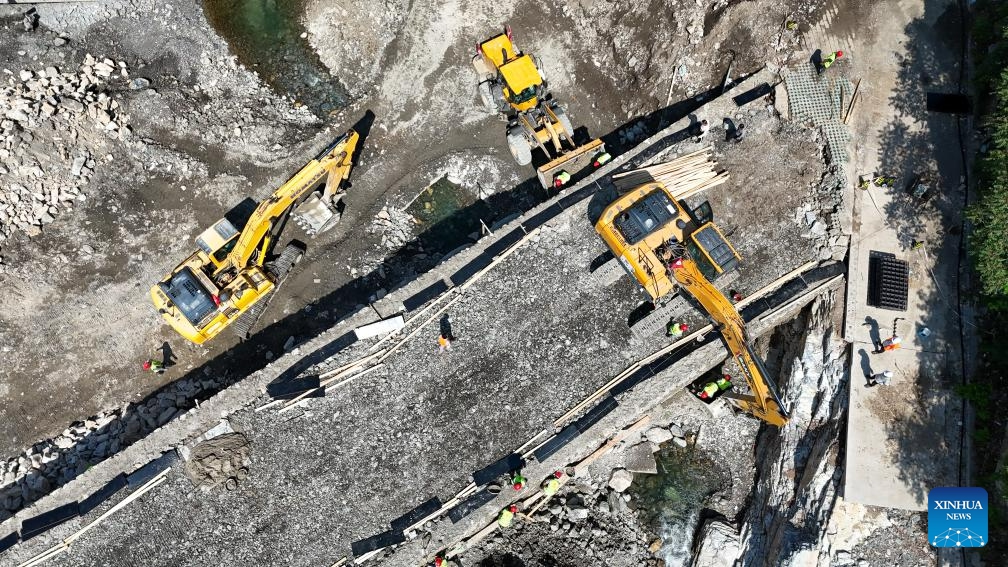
[(34, 526), (949, 103), (416, 514), (374, 542), (557, 442), (589, 419), (430, 292), (505, 242), (470, 505), (753, 94), (576, 196), (8, 541), (488, 474), (542, 217), (289, 389), (151, 469), (470, 269), (104, 493)]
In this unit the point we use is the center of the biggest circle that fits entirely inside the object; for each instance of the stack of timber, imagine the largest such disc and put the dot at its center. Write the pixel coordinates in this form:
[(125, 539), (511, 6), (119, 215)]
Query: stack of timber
[(684, 176)]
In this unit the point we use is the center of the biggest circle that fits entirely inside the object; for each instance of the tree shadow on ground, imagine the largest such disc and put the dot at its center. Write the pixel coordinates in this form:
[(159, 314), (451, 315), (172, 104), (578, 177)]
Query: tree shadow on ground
[(924, 434)]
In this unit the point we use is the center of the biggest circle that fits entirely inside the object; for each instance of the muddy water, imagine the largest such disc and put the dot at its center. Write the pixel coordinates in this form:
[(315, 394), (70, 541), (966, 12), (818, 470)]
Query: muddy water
[(670, 501), (265, 35)]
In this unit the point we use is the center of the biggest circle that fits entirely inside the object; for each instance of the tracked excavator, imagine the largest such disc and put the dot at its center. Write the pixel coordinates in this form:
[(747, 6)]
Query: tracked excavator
[(667, 247), (228, 280), (512, 85)]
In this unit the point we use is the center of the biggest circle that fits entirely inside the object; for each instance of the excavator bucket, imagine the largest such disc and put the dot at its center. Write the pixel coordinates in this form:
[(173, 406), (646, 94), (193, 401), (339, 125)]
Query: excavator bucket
[(315, 216)]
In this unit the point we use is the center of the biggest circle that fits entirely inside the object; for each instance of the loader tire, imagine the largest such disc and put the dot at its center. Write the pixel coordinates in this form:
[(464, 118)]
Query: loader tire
[(520, 148)]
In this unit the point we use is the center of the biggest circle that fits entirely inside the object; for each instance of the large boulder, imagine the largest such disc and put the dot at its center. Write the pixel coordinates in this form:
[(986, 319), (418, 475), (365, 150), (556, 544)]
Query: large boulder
[(620, 480)]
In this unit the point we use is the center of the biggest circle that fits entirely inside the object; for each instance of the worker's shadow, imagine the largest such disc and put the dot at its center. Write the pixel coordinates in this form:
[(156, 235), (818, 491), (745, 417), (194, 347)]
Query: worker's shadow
[(167, 355), (816, 59), (873, 333), (865, 364)]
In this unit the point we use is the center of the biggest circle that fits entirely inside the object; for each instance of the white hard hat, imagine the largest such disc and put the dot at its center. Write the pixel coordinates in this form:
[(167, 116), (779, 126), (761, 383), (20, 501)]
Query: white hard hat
[(887, 373)]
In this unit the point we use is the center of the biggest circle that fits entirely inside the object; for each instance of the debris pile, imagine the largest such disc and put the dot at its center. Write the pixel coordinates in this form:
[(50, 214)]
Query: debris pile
[(47, 465), (221, 460), (45, 113)]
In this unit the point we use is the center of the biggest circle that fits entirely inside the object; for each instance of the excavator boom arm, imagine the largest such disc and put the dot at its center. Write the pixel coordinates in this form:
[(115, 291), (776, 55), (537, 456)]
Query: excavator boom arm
[(334, 163), (764, 403)]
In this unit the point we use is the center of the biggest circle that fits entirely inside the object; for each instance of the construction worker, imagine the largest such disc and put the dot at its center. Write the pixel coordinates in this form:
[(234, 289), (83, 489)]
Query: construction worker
[(153, 366), (440, 561), (551, 486), (828, 61), (739, 133), (892, 343), (709, 389), (701, 131), (518, 481), (736, 296), (724, 382), (444, 343), (676, 329), (916, 244), (507, 516), (882, 378), (601, 159), (561, 179)]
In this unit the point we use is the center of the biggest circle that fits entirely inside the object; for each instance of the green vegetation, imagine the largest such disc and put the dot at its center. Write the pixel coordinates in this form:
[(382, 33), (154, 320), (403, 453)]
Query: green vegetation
[(989, 249), (990, 214)]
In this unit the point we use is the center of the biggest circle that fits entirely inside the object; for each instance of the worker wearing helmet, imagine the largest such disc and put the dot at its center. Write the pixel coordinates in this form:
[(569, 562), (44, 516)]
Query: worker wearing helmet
[(710, 388), (553, 484), (828, 61), (676, 329), (507, 516), (561, 179)]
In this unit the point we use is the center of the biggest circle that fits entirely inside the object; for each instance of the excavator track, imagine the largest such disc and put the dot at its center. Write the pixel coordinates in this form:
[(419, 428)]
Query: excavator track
[(291, 254)]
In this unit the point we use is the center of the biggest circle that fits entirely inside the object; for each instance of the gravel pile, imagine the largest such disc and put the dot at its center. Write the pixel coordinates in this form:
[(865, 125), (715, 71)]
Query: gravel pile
[(51, 119)]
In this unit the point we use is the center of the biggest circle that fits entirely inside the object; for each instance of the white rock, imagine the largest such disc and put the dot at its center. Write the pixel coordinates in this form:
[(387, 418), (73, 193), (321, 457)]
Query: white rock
[(25, 75), (620, 480), (658, 435)]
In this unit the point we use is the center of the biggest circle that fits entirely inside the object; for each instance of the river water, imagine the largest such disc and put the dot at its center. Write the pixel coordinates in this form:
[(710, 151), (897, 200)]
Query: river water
[(265, 35), (670, 502)]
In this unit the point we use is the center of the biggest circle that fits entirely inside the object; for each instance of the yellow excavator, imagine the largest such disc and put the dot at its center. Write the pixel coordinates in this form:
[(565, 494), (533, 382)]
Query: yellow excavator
[(667, 247), (511, 84), (227, 280)]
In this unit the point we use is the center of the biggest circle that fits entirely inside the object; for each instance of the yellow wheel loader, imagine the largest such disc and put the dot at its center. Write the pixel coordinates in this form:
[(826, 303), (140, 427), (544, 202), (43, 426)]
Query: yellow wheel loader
[(227, 280), (666, 247), (511, 84)]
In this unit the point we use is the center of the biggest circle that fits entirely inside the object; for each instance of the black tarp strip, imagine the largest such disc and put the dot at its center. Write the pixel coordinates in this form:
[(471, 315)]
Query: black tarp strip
[(557, 442), (8, 541), (291, 388), (374, 542), (416, 514), (151, 469), (752, 94), (576, 196), (34, 526), (488, 474), (589, 419), (542, 217), (470, 505), (470, 269), (420, 299), (104, 493), (505, 242)]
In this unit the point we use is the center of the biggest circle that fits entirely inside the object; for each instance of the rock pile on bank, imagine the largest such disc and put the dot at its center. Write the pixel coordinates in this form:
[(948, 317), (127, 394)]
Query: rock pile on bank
[(49, 464), (50, 121)]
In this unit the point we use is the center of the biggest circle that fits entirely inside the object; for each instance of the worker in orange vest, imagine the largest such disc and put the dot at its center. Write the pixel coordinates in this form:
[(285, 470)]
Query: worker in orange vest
[(892, 343), (444, 343)]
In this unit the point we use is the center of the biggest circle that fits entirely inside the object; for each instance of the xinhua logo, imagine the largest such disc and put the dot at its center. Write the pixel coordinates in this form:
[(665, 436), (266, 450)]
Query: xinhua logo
[(957, 517)]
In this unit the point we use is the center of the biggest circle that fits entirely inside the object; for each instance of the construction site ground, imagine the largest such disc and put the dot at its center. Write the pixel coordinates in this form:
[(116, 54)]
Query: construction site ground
[(75, 324), (209, 133)]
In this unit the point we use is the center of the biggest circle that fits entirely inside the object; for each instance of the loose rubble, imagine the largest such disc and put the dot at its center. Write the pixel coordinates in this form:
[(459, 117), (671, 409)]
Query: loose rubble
[(45, 164), (47, 465)]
